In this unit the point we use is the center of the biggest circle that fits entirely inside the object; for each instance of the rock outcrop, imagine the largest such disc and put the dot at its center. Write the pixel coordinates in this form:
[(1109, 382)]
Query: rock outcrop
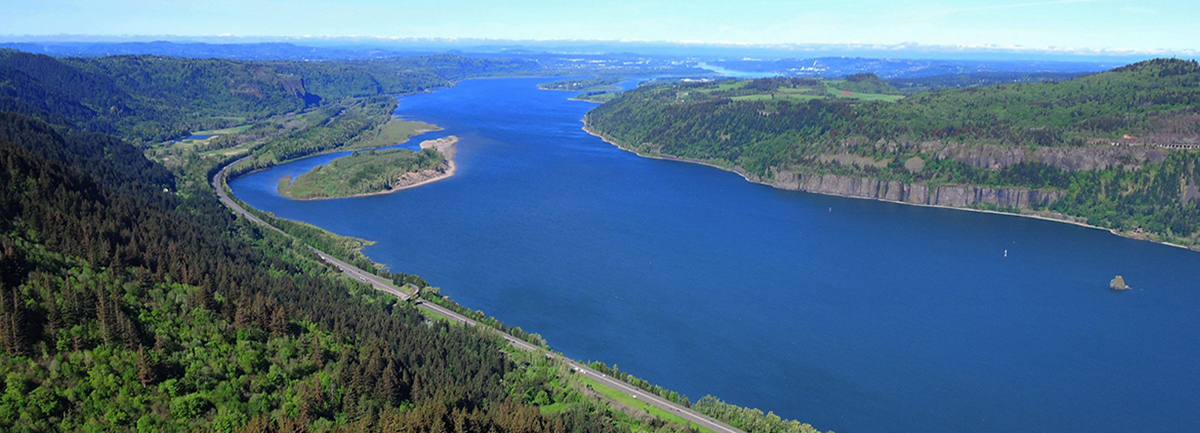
[(939, 195), (993, 156), (1083, 158)]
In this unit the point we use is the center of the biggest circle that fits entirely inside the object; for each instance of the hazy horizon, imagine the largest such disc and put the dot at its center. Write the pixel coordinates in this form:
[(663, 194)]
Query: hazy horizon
[(732, 51), (1061, 27)]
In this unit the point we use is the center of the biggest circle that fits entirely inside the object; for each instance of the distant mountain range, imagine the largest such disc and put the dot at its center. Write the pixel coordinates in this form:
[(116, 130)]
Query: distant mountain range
[(351, 47), (822, 61)]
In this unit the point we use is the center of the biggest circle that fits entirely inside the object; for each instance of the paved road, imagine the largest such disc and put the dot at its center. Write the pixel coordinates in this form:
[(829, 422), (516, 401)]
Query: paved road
[(385, 285)]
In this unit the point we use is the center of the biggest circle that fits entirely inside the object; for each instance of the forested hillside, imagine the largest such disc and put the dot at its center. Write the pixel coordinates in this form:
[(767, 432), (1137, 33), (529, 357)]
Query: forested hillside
[(131, 299), (978, 79), (150, 99), (1109, 148), (124, 306)]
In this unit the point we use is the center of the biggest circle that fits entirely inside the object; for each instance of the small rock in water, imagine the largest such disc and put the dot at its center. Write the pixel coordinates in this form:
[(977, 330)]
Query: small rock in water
[(1118, 283)]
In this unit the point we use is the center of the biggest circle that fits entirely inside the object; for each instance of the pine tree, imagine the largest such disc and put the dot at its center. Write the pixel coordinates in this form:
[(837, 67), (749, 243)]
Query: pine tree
[(13, 265), (104, 315), (389, 388), (12, 321), (316, 353), (241, 318), (350, 402), (279, 323), (145, 367), (203, 297), (260, 424)]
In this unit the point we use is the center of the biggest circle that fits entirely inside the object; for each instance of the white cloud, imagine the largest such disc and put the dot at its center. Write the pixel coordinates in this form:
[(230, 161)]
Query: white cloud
[(1021, 5)]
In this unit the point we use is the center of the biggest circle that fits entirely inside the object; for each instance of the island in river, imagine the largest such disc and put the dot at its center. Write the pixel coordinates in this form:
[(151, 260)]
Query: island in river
[(374, 172)]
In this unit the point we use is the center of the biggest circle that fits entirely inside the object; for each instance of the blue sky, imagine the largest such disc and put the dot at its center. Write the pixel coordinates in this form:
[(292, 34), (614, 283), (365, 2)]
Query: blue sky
[(1170, 25)]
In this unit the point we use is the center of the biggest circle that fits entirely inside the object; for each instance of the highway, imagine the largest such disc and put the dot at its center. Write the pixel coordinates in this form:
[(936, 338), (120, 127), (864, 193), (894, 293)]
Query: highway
[(385, 285)]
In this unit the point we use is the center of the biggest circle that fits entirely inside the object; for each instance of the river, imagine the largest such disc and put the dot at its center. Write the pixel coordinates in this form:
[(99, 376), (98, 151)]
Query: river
[(851, 315)]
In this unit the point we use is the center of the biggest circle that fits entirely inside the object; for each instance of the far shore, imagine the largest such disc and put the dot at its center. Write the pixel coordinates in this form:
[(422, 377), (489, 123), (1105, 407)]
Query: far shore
[(737, 170), (447, 146)]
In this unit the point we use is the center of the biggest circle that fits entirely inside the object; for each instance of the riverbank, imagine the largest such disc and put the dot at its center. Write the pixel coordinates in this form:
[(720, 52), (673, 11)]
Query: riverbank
[(1044, 216), (445, 147), (393, 131), (448, 147)]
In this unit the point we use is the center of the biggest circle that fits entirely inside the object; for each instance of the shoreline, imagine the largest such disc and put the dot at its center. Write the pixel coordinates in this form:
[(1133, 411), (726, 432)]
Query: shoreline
[(448, 146), (415, 133), (588, 129)]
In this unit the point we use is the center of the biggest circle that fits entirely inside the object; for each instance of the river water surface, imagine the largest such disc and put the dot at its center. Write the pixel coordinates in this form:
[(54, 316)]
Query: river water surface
[(851, 315)]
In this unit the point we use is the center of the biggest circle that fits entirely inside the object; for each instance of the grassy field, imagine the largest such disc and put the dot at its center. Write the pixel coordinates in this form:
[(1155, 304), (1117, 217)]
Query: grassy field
[(225, 131), (779, 96), (583, 84), (188, 143), (393, 132), (436, 316), (838, 93), (738, 90), (597, 97), (725, 86), (236, 150), (627, 400)]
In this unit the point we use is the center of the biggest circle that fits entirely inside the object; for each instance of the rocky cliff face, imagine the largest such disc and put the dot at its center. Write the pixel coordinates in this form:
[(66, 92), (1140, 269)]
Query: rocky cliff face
[(940, 195), (1085, 158)]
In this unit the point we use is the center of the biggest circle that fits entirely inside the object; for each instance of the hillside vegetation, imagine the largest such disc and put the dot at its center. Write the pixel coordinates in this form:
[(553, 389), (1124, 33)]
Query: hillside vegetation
[(364, 172), (1103, 147), (395, 131), (910, 86), (150, 98), (583, 84), (131, 299), (127, 307)]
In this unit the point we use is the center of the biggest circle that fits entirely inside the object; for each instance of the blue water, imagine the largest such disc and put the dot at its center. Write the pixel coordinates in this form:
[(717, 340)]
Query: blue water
[(852, 315)]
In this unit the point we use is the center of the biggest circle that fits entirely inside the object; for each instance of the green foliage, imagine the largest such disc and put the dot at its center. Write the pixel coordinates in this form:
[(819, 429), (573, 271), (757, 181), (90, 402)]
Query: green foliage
[(865, 83), (124, 307), (151, 98), (1149, 199), (910, 86), (707, 122), (361, 173), (583, 84), (345, 248), (640, 383), (699, 120), (750, 420), (131, 299), (434, 295), (600, 96), (325, 129), (395, 131)]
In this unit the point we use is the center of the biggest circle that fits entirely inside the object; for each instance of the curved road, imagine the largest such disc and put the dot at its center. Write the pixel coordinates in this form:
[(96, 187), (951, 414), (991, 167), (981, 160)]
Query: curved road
[(384, 285)]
